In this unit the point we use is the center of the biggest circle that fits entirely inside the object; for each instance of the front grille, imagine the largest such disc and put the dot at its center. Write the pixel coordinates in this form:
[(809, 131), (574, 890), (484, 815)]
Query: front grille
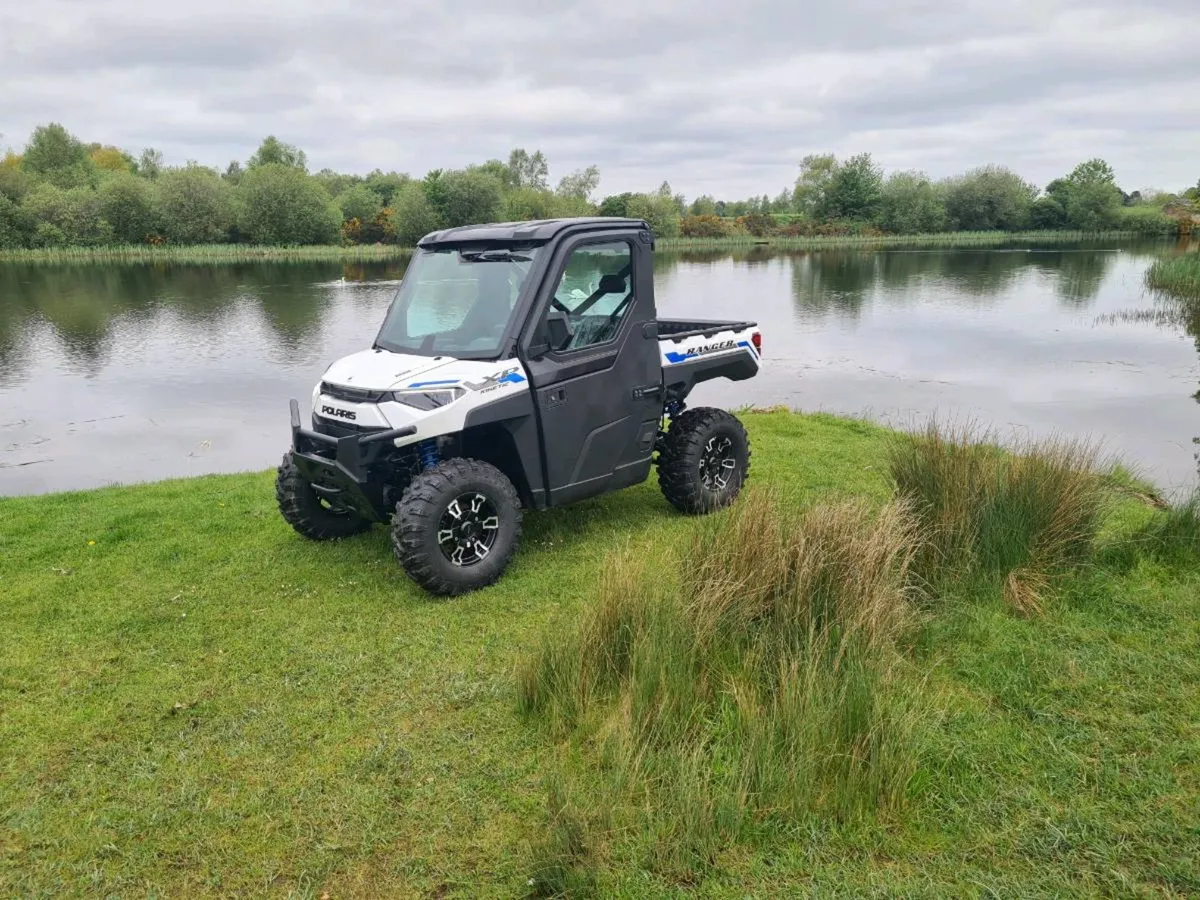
[(351, 394), (333, 428)]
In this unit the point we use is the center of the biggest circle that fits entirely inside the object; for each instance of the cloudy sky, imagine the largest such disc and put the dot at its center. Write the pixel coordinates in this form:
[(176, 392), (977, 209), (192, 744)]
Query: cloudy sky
[(717, 97)]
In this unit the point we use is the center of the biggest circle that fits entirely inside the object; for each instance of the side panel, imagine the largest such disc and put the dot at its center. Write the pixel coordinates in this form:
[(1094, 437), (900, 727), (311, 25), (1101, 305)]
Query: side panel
[(505, 433)]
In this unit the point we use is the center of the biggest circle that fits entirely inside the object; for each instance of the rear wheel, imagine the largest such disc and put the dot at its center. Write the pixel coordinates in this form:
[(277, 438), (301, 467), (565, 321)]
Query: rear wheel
[(457, 526), (704, 461), (312, 516)]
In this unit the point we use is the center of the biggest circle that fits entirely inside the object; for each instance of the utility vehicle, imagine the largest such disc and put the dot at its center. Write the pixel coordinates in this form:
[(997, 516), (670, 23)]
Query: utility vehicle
[(520, 366)]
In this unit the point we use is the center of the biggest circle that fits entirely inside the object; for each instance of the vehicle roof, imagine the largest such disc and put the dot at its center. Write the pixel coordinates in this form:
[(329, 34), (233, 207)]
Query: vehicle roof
[(537, 231)]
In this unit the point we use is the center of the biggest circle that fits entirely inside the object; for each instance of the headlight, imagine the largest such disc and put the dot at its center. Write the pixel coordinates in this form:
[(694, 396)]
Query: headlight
[(427, 400)]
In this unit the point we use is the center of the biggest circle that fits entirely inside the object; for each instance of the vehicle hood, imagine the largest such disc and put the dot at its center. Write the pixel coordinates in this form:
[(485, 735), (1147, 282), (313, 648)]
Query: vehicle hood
[(381, 370)]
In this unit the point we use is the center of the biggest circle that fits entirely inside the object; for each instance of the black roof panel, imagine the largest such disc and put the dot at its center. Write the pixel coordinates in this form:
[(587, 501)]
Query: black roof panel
[(537, 230)]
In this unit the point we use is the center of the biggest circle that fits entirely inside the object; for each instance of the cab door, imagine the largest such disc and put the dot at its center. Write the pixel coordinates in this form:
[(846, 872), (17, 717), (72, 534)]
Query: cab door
[(598, 400)]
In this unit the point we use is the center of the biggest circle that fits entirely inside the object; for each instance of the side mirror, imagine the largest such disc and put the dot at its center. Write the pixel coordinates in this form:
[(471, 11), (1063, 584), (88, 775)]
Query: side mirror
[(559, 330)]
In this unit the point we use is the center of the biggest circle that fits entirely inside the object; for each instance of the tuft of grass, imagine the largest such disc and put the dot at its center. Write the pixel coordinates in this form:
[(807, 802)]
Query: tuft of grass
[(1017, 518), (1173, 536), (1176, 276), (754, 683)]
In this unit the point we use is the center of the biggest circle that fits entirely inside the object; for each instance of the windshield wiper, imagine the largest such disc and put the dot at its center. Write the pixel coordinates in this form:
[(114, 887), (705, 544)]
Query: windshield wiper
[(494, 256)]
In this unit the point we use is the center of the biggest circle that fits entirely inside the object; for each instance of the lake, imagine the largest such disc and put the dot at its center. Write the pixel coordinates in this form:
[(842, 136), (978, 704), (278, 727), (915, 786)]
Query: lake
[(135, 373)]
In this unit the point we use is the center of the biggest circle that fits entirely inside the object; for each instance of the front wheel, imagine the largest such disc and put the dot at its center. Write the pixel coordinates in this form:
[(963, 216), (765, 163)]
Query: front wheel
[(457, 526), (312, 516), (704, 461)]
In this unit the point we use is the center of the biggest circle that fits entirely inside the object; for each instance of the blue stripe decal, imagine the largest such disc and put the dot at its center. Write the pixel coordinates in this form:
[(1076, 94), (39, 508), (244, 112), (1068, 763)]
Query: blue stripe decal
[(674, 358), (512, 378), (419, 384)]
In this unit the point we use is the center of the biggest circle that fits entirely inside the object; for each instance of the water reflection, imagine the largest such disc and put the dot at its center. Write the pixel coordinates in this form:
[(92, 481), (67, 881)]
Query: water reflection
[(83, 305), (184, 358)]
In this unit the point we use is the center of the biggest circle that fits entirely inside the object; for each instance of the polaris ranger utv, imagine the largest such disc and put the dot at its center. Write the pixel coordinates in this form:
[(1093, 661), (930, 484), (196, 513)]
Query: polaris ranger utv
[(520, 366)]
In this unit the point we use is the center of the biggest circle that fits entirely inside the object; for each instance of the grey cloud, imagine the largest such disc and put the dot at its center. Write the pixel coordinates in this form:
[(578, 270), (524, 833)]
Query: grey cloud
[(714, 97)]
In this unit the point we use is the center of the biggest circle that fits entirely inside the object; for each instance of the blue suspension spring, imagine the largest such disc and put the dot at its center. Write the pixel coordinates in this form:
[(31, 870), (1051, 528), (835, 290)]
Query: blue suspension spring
[(428, 452)]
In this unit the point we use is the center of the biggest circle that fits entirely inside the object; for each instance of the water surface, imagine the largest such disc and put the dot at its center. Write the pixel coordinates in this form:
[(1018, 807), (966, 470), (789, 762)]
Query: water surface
[(133, 373)]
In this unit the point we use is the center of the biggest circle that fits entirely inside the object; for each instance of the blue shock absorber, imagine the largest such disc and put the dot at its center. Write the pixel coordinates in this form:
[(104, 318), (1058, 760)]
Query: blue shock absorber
[(428, 452)]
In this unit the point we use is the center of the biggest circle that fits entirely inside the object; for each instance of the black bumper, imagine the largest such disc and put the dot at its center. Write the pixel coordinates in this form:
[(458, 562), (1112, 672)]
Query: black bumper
[(337, 466)]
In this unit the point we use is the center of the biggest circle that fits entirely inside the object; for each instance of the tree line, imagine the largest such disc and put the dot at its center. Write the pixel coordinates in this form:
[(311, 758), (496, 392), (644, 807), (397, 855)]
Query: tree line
[(60, 191)]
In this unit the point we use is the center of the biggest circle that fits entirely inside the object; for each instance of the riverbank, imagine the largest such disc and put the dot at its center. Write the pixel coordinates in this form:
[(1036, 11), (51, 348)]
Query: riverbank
[(198, 702), (214, 254)]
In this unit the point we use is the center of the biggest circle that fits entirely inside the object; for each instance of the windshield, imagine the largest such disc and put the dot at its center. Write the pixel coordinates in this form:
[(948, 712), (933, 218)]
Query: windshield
[(456, 302)]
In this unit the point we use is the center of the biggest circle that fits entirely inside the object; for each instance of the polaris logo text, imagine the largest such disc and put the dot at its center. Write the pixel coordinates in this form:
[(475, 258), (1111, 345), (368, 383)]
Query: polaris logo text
[(338, 413)]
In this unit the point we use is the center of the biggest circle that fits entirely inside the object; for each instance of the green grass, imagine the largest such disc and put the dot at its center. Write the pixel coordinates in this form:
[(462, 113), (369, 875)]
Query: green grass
[(1176, 276), (202, 704), (210, 254), (945, 240)]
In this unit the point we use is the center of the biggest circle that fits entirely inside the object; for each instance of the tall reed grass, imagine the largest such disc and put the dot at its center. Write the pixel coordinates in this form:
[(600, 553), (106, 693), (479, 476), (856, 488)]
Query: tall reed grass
[(1176, 276), (947, 240), (1020, 517), (205, 254), (755, 681)]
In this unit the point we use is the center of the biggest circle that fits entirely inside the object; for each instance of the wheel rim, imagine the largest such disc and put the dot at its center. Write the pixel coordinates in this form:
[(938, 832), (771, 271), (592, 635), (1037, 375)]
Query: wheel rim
[(717, 463), (468, 528)]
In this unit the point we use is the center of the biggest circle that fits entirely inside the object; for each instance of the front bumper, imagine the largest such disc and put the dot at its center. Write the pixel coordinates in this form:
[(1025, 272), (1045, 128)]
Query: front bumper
[(337, 466)]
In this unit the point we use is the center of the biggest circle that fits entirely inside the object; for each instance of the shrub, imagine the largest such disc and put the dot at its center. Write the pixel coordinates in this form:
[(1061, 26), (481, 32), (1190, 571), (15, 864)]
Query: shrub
[(192, 205), (757, 683), (281, 204), (703, 226), (1017, 519)]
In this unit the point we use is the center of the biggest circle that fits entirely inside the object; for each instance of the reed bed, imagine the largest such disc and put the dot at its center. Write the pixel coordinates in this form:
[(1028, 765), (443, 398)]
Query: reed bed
[(1176, 276), (204, 254), (948, 240)]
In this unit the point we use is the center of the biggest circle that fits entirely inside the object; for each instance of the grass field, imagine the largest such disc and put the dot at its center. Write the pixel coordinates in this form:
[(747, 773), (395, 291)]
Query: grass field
[(196, 702)]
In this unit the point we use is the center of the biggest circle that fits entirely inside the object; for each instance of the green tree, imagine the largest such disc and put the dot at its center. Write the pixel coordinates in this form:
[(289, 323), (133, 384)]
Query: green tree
[(233, 172), (1093, 199), (524, 204), (413, 215), (127, 203), (273, 151), (110, 159), (149, 164), (704, 205), (14, 225), (1047, 214), (616, 206), (192, 205), (990, 198), (385, 184), (337, 183), (579, 185), (359, 202), (527, 170), (57, 156), (72, 216), (855, 190), (911, 204), (466, 197), (658, 210), (279, 203), (817, 173)]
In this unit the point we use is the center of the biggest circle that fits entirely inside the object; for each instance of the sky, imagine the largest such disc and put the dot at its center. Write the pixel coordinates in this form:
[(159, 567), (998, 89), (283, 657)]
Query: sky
[(717, 98)]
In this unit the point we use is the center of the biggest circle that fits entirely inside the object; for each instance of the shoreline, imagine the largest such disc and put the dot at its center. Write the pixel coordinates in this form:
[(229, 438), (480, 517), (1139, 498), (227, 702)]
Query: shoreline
[(219, 254)]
